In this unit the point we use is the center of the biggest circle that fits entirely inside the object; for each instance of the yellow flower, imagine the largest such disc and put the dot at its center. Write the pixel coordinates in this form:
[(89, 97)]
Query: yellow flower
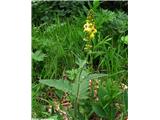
[(90, 30), (94, 30), (88, 27), (91, 36)]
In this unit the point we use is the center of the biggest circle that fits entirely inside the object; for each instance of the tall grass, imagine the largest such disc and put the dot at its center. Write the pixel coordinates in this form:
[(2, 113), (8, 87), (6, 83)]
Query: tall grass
[(59, 42)]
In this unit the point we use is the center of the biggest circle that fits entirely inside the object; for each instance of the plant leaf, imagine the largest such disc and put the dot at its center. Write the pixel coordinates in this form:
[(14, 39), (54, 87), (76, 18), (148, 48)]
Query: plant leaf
[(83, 84), (81, 63), (96, 3), (98, 110), (71, 74), (38, 56), (63, 85), (83, 89)]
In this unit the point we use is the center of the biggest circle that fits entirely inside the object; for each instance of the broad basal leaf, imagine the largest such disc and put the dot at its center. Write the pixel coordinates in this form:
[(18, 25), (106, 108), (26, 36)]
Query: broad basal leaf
[(80, 87), (82, 91), (63, 85)]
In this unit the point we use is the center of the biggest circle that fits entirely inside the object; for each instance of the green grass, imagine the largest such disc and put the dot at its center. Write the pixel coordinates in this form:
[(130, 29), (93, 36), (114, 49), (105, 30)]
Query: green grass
[(62, 42), (59, 42)]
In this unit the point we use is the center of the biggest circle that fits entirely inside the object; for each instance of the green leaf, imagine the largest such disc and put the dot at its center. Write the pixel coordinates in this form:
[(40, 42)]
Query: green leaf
[(63, 85), (71, 74), (98, 110), (85, 9), (80, 86), (83, 89), (95, 76), (81, 63), (96, 3), (84, 86), (124, 39), (38, 56), (102, 93)]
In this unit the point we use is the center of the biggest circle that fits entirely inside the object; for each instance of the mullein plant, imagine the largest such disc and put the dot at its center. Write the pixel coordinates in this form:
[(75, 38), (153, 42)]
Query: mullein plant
[(90, 31)]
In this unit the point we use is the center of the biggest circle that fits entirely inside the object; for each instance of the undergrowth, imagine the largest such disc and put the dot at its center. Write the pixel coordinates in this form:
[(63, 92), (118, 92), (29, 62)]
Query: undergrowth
[(55, 51)]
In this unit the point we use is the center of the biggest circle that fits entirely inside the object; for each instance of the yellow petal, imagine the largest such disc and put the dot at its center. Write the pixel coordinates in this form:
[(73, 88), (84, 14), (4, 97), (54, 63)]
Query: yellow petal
[(91, 36)]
